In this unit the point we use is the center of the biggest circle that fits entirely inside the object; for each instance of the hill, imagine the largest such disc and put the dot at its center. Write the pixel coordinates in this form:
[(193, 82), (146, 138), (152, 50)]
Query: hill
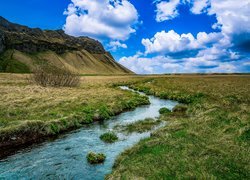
[(22, 48)]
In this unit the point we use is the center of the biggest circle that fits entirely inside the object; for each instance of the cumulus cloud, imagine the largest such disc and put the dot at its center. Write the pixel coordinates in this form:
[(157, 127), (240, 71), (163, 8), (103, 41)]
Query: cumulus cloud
[(199, 6), (166, 10), (157, 64), (114, 45), (232, 16), (112, 19), (144, 65), (214, 52), (172, 42), (203, 63)]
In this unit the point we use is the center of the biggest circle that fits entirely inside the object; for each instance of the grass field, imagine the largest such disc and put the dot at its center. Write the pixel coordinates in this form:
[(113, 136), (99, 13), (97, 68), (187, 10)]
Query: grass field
[(28, 111), (211, 140), (208, 140)]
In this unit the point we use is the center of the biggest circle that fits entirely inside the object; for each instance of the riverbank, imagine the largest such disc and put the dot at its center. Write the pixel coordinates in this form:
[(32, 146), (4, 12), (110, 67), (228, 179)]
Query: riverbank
[(208, 141), (30, 113), (65, 157)]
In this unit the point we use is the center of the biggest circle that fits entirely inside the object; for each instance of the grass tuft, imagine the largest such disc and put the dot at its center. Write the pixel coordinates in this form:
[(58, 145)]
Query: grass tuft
[(164, 111), (95, 158), (109, 137), (140, 126)]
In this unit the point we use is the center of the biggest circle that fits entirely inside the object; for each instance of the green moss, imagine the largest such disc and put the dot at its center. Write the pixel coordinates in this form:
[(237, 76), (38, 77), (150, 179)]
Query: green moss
[(95, 158), (109, 137), (164, 111)]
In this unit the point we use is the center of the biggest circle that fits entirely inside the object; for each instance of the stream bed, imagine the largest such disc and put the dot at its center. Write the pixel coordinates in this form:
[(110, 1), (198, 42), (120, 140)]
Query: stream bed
[(65, 157)]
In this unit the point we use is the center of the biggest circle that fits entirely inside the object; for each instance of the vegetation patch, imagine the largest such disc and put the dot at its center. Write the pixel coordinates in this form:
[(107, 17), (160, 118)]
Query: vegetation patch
[(95, 158), (180, 108), (206, 138), (140, 126), (29, 112), (109, 137), (164, 110), (8, 64), (48, 75)]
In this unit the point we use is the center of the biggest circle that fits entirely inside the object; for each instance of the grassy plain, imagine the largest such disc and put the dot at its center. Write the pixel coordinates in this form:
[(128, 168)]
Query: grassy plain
[(28, 111), (209, 140)]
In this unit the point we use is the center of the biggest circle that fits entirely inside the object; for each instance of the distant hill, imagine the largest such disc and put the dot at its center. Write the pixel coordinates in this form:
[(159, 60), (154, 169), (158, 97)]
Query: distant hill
[(22, 48)]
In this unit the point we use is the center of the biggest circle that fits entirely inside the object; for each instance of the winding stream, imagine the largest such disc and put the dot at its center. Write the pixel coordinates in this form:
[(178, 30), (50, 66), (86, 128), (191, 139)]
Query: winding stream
[(65, 157)]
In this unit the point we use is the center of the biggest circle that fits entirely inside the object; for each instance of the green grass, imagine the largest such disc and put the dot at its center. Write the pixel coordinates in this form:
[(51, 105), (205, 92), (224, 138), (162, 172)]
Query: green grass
[(8, 64), (208, 138), (109, 137), (95, 158), (139, 126), (28, 110), (164, 111)]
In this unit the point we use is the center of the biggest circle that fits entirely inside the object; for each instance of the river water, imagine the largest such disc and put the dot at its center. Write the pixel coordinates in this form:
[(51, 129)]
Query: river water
[(65, 157)]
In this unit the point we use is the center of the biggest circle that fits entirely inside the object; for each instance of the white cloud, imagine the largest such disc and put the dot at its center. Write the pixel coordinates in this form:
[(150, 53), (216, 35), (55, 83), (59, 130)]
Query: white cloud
[(144, 65), (112, 19), (114, 45), (214, 50), (161, 64), (232, 15), (167, 10), (171, 42), (199, 6)]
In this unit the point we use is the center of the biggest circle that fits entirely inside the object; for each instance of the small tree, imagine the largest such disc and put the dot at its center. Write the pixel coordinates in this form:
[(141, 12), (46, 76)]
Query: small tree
[(47, 75)]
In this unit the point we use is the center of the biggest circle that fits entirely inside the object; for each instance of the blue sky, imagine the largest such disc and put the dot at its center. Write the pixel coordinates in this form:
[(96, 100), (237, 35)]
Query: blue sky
[(151, 36)]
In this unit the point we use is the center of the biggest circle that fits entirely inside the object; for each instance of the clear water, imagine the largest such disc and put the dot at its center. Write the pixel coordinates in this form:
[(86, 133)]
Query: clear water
[(65, 157)]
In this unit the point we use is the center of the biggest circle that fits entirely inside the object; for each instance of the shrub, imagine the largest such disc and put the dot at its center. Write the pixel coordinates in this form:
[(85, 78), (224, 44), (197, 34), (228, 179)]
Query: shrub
[(164, 111), (95, 158), (47, 75), (109, 137)]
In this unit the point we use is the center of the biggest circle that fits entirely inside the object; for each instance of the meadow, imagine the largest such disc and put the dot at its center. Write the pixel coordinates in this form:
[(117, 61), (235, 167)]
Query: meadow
[(206, 137), (208, 140), (29, 112)]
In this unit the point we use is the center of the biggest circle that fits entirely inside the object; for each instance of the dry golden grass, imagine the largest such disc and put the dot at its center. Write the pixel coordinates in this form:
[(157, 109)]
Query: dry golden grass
[(26, 106), (81, 62)]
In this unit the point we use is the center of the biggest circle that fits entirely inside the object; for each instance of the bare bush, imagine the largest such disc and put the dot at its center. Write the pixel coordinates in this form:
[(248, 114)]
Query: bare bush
[(46, 75)]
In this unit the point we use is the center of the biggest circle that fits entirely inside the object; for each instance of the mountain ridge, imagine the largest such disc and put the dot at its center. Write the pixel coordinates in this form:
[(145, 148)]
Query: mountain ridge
[(27, 47)]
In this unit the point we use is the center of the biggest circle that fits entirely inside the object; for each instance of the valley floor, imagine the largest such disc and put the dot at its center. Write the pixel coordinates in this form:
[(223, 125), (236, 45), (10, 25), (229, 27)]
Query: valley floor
[(211, 140), (208, 140), (29, 112)]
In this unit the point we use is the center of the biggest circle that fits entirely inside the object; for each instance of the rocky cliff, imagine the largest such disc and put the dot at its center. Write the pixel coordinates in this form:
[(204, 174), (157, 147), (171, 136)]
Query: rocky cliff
[(24, 46)]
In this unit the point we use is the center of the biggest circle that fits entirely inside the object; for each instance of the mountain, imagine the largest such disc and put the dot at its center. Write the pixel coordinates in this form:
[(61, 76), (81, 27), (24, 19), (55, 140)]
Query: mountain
[(23, 48)]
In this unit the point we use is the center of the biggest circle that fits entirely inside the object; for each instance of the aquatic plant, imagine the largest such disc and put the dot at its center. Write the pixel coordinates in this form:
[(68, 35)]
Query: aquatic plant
[(109, 137), (95, 158)]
